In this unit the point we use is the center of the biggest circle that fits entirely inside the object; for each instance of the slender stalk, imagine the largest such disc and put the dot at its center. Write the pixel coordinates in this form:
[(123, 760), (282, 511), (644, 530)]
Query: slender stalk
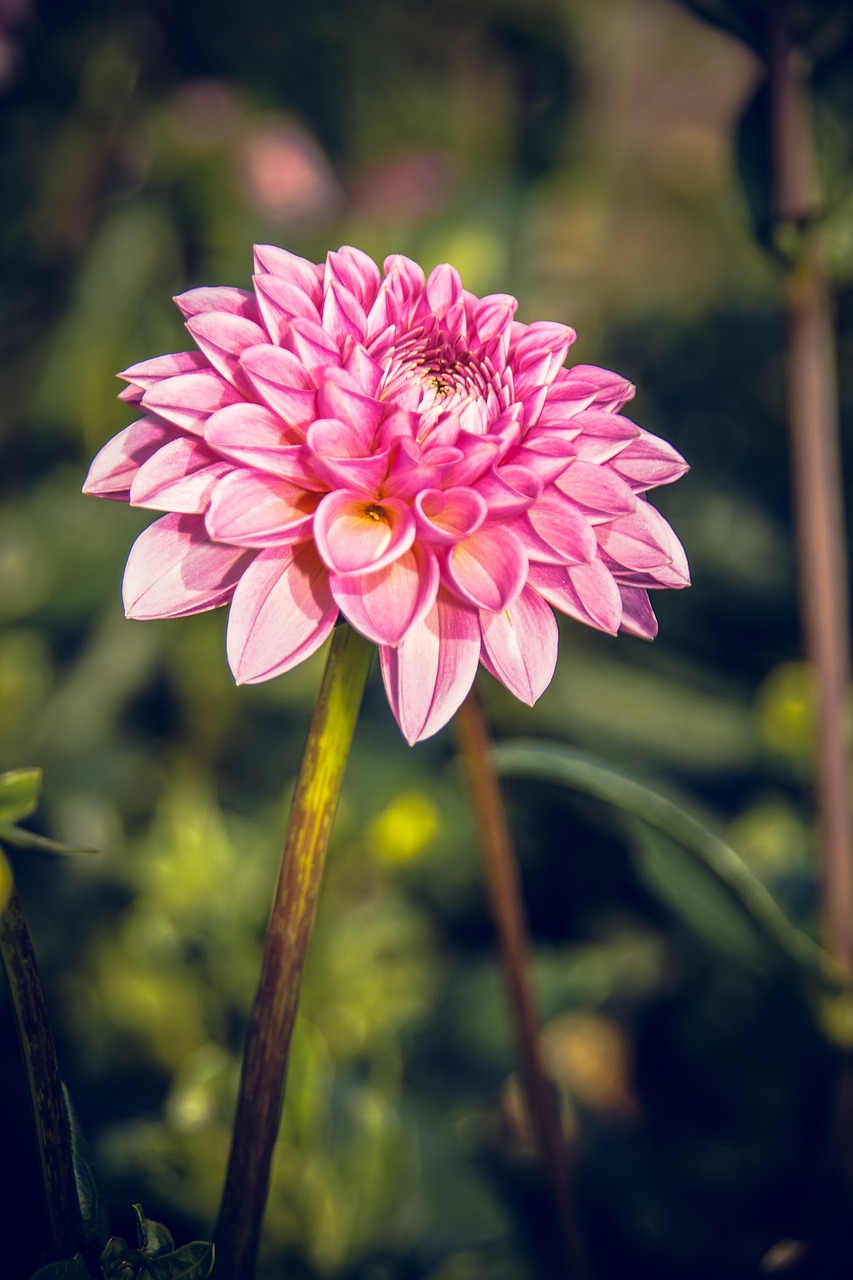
[(53, 1134), (813, 410), (509, 915), (261, 1094)]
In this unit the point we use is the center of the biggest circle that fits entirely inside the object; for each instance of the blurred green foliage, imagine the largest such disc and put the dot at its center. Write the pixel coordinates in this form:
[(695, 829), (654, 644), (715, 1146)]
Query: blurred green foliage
[(579, 156)]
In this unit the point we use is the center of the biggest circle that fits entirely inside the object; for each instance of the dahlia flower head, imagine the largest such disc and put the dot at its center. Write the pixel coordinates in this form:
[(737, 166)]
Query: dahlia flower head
[(392, 450)]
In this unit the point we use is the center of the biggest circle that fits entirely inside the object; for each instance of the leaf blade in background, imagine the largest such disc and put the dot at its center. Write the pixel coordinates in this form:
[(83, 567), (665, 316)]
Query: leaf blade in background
[(19, 793)]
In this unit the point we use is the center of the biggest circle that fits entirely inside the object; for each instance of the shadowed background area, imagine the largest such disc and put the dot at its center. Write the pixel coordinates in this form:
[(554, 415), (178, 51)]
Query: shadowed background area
[(585, 158)]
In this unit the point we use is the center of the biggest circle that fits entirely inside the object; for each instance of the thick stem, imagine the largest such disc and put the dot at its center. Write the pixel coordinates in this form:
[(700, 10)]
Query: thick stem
[(813, 397), (53, 1134), (509, 915), (261, 1094)]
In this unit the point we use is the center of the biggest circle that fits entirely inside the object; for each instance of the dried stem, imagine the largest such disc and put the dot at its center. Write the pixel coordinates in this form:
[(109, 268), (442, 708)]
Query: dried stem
[(261, 1094), (53, 1134), (813, 397), (508, 908)]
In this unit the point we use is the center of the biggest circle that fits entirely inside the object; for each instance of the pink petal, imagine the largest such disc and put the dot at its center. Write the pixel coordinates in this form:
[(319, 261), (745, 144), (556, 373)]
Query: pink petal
[(281, 613), (255, 510), (384, 605), (638, 617), (510, 490), (487, 569), (343, 315), (189, 399), (520, 645), (280, 301), (282, 382), (648, 461), (361, 413), (563, 527), (597, 488), (315, 348), (429, 673), (113, 468), (443, 289), (239, 302), (643, 540), (297, 271), (339, 457), (147, 372), (356, 272), (492, 316), (174, 569), (357, 534), (603, 435), (254, 435), (223, 338), (445, 516), (584, 591), (605, 389), (363, 368), (178, 477)]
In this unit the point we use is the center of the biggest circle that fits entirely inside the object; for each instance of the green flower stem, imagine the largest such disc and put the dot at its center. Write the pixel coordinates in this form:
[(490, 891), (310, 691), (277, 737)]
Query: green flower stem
[(509, 915), (816, 467), (261, 1094), (53, 1133)]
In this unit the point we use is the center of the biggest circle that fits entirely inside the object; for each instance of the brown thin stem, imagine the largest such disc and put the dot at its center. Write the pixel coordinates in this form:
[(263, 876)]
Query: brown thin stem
[(511, 924), (813, 412), (261, 1094), (53, 1134)]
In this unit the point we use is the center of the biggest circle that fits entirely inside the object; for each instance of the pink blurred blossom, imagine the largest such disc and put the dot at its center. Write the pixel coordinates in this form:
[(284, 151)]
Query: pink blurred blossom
[(395, 450), (285, 175), (409, 186)]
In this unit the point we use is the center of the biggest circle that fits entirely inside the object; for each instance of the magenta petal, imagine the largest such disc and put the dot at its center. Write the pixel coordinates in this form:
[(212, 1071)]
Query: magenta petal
[(643, 540), (487, 569), (520, 645), (429, 673), (445, 516), (178, 477), (282, 382), (113, 469), (638, 617), (239, 302), (357, 534), (356, 272), (383, 606), (563, 527), (443, 289), (223, 338), (147, 372), (297, 271), (597, 488), (281, 613), (174, 569), (338, 457), (253, 435), (189, 399), (280, 301), (584, 591), (649, 461), (254, 510), (361, 413)]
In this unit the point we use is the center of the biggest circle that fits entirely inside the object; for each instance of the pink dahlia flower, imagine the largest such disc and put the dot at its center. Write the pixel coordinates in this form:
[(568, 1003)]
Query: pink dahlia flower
[(393, 450)]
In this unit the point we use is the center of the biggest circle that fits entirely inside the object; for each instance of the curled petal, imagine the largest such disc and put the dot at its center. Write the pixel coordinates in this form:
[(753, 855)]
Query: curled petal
[(178, 477), (189, 399), (487, 569), (586, 592), (445, 516), (297, 271), (259, 511), (113, 469), (384, 605), (256, 437), (174, 569), (281, 613), (338, 456), (282, 382), (638, 617), (239, 302), (429, 673), (357, 534), (510, 490), (520, 645), (223, 338), (643, 540), (362, 413)]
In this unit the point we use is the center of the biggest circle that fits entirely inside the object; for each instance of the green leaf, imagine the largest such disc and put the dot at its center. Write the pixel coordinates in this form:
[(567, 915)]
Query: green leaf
[(192, 1261), (120, 1262), (20, 839), (19, 793), (6, 882), (153, 1238), (720, 865), (88, 1194), (69, 1269)]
